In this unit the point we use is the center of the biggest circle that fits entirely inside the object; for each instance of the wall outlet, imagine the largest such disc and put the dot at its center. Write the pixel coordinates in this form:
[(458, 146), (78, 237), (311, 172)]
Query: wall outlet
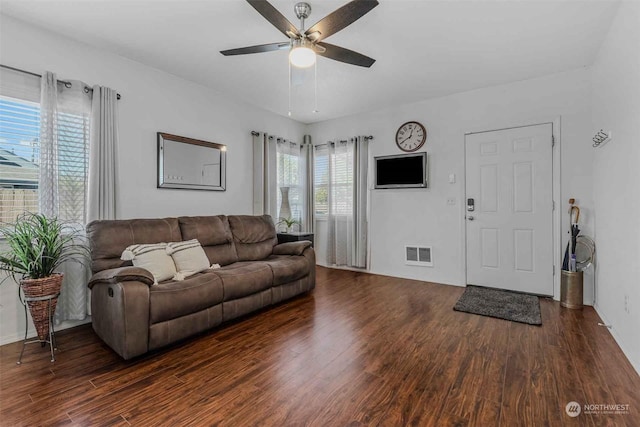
[(451, 201)]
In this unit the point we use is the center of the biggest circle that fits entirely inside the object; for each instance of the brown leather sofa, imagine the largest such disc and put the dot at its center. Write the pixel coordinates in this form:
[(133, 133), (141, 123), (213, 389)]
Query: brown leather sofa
[(134, 316)]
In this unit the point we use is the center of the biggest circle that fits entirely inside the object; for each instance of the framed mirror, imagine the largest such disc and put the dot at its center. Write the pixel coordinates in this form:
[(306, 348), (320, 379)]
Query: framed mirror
[(191, 164)]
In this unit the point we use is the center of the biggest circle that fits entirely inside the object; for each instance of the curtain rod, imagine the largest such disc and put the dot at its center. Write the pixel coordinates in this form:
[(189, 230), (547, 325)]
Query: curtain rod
[(342, 140), (66, 84), (255, 133), (277, 138)]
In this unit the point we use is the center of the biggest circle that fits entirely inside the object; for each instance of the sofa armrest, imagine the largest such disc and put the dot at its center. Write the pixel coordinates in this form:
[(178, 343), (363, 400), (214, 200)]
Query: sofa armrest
[(291, 248), (122, 274)]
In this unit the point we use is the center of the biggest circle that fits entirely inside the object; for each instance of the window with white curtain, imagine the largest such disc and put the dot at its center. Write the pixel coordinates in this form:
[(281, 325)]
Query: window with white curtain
[(341, 168), (289, 179), (20, 151)]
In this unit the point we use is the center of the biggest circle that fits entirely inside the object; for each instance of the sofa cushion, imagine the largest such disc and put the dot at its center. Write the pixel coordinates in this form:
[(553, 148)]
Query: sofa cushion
[(108, 238), (254, 236), (189, 258), (153, 258), (170, 300), (244, 278), (287, 268), (214, 235)]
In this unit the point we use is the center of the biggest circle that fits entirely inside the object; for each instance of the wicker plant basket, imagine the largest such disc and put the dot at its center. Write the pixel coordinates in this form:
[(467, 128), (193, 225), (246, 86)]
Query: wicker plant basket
[(35, 288)]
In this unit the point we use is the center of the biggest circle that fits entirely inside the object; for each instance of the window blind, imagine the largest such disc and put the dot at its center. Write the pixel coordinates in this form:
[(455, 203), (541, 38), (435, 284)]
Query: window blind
[(20, 150), (73, 165), (340, 163), (321, 180)]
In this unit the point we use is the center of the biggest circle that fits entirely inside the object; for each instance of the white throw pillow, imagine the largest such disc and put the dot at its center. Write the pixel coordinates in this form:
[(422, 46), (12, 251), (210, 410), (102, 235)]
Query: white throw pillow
[(189, 257), (152, 257)]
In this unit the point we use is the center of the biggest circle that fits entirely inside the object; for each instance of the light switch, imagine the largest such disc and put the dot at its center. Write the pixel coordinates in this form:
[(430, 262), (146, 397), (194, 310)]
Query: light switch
[(452, 178)]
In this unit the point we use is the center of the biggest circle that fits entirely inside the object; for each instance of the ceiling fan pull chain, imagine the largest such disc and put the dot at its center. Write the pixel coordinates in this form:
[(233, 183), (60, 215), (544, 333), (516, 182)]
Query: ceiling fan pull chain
[(289, 65), (315, 87)]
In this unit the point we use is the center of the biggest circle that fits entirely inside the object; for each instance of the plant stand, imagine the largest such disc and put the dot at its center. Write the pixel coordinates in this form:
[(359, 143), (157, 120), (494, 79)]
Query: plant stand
[(50, 301)]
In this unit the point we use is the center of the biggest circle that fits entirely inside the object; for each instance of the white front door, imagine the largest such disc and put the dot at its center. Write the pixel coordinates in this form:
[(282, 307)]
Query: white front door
[(510, 229)]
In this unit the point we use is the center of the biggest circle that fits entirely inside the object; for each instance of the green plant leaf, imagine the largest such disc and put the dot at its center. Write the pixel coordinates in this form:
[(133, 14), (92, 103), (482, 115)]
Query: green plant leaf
[(39, 245)]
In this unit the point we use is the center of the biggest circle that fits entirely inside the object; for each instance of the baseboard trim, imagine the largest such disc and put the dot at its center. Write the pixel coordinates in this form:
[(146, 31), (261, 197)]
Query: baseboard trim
[(31, 333)]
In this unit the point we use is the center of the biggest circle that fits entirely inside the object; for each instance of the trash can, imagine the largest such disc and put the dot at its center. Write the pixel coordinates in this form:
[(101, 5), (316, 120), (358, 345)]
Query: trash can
[(571, 284)]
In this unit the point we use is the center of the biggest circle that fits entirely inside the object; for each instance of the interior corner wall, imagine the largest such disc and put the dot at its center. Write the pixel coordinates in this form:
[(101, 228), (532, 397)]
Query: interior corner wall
[(422, 216), (616, 108), (152, 101)]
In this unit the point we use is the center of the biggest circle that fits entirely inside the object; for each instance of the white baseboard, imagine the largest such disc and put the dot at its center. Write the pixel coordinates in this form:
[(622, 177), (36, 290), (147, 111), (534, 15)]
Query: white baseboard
[(19, 335)]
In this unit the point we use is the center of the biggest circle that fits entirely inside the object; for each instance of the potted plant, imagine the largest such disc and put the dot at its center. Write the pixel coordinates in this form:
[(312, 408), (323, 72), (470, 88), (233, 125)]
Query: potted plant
[(288, 223), (37, 247)]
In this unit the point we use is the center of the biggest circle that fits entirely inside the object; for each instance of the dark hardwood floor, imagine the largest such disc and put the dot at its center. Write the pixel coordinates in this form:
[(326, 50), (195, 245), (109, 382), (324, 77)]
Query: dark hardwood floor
[(360, 350)]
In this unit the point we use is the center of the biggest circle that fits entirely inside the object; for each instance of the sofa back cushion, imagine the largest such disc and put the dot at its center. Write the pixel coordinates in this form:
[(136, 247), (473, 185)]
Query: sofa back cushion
[(214, 235), (109, 238), (254, 236)]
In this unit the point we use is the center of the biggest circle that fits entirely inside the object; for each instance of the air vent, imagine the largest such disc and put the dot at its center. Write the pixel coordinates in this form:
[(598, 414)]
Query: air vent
[(418, 255)]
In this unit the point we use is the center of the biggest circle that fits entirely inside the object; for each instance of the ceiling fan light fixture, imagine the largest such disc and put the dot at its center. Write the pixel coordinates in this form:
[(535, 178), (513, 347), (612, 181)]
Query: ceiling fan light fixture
[(302, 57)]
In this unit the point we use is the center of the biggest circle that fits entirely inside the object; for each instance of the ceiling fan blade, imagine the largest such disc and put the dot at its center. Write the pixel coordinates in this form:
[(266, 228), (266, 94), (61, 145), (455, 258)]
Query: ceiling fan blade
[(341, 18), (272, 15), (256, 49), (345, 55)]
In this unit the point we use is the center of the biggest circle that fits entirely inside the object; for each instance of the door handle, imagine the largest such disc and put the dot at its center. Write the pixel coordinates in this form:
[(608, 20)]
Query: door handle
[(470, 218)]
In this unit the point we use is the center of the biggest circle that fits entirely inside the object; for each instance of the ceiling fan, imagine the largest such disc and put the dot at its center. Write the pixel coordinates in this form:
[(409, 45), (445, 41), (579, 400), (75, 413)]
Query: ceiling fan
[(305, 44)]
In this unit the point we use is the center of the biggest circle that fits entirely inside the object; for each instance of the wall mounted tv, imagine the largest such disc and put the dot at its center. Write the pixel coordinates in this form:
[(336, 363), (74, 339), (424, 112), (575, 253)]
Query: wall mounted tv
[(401, 171)]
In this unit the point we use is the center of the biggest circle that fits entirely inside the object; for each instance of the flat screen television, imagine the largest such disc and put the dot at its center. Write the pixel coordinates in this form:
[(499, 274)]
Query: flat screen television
[(401, 171)]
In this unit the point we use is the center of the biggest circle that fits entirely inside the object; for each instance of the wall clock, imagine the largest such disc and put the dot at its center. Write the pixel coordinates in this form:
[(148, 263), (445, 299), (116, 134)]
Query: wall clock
[(411, 136)]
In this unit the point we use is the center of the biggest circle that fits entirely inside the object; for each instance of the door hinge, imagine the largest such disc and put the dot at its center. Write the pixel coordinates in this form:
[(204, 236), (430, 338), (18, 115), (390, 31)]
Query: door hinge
[(553, 205), (553, 140), (554, 270)]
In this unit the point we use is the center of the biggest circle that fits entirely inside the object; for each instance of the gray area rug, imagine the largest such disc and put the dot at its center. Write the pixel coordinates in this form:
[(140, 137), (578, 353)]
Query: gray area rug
[(502, 304)]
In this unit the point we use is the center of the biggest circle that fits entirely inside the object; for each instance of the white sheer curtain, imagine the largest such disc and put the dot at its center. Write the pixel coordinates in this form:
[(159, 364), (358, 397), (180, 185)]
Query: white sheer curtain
[(63, 169), (347, 203)]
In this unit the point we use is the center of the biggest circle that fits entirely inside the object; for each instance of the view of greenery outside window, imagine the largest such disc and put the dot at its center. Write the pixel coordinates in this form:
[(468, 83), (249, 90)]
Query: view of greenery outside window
[(20, 159)]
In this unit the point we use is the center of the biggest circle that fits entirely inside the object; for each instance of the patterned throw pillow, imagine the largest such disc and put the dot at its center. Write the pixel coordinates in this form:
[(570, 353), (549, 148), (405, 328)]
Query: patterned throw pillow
[(189, 257), (152, 257)]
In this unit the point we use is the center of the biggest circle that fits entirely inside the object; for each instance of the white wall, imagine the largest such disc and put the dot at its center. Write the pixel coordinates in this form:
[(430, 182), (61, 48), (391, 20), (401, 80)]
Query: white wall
[(152, 101), (616, 108), (401, 217)]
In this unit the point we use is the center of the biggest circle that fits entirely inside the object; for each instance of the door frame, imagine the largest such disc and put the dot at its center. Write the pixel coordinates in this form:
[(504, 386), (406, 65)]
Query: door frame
[(555, 192)]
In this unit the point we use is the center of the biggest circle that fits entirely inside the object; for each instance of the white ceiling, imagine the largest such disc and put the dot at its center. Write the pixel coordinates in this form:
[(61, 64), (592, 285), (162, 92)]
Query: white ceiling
[(424, 49)]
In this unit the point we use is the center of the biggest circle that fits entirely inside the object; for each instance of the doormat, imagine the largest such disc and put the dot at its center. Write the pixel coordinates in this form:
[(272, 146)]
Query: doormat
[(501, 304)]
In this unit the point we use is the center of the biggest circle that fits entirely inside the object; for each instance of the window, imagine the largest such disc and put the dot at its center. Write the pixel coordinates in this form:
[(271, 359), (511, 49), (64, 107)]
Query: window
[(20, 152), (333, 173), (288, 178), (321, 181), (19, 157)]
